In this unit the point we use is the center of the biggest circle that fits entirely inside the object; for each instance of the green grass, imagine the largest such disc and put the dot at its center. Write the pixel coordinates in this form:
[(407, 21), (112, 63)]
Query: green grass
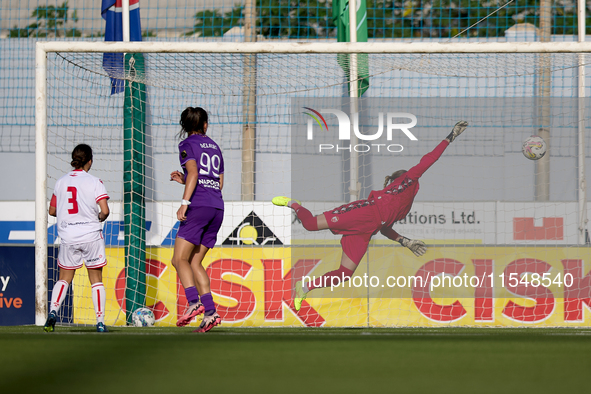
[(229, 360)]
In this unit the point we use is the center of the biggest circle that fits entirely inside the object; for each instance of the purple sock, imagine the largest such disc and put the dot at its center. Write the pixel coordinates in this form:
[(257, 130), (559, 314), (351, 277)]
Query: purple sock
[(207, 301), (192, 294)]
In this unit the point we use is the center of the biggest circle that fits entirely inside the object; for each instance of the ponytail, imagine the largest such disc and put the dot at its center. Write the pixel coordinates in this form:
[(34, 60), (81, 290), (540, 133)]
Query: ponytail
[(81, 155)]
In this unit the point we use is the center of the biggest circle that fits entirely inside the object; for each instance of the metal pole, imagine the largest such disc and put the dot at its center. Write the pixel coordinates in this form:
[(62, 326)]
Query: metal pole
[(125, 20), (40, 185), (354, 185), (249, 105), (581, 182), (543, 93)]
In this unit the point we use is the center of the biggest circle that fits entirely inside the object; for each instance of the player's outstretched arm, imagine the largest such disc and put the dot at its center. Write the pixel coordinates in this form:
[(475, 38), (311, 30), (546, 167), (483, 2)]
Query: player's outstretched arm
[(390, 233), (457, 130), (430, 158), (417, 247)]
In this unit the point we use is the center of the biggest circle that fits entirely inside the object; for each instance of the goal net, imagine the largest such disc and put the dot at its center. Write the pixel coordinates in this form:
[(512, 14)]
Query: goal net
[(506, 236)]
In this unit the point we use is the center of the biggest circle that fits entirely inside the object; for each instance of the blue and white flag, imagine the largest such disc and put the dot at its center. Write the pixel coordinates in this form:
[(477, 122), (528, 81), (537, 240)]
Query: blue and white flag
[(111, 11)]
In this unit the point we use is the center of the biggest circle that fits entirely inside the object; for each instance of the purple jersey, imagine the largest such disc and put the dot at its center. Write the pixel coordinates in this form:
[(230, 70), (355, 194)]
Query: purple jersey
[(210, 164)]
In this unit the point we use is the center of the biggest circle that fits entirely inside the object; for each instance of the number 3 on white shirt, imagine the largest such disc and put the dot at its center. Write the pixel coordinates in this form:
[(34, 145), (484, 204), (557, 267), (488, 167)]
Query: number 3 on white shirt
[(72, 200)]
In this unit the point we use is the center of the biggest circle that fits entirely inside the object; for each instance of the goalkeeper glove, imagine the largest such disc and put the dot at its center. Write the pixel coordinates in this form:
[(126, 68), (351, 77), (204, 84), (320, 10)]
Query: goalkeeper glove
[(457, 130), (417, 247)]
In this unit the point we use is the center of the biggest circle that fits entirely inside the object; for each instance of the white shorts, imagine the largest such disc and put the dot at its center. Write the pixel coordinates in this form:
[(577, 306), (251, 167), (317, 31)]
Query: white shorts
[(70, 257)]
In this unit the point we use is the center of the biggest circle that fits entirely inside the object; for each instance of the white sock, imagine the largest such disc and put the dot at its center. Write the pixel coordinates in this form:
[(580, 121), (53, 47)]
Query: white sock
[(99, 297), (58, 294)]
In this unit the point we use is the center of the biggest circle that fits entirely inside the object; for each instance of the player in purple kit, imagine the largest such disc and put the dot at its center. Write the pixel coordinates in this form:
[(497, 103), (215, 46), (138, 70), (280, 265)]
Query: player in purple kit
[(201, 214)]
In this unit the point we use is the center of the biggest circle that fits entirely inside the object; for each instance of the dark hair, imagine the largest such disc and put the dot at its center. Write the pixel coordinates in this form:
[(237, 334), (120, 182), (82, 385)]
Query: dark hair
[(81, 155), (391, 178), (193, 120)]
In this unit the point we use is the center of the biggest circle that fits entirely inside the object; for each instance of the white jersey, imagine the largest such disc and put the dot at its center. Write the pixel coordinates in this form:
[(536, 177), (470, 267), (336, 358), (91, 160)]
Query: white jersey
[(76, 196)]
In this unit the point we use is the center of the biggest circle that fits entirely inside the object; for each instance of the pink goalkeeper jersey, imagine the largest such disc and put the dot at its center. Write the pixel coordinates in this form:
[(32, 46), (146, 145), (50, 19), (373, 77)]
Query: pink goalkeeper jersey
[(395, 200), (75, 197)]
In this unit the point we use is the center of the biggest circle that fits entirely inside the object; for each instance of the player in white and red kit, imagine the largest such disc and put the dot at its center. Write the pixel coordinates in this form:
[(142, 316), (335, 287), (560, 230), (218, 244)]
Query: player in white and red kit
[(79, 202), (358, 221)]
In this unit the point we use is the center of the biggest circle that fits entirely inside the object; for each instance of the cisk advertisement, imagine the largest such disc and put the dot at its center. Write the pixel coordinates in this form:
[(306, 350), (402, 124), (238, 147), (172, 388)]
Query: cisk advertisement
[(540, 279), (448, 286)]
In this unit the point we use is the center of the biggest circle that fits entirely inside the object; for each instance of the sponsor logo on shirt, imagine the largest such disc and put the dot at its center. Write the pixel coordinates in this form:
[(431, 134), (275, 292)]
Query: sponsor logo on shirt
[(65, 224), (209, 183)]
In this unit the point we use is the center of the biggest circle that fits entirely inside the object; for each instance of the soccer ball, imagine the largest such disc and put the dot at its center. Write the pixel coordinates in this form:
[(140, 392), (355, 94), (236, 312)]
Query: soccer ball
[(534, 147), (143, 317)]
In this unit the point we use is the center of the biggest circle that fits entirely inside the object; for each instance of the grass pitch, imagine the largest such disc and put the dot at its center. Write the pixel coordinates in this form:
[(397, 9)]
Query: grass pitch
[(248, 360)]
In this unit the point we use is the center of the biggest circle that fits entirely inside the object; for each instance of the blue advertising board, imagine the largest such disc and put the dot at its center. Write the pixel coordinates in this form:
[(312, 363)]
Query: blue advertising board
[(17, 285)]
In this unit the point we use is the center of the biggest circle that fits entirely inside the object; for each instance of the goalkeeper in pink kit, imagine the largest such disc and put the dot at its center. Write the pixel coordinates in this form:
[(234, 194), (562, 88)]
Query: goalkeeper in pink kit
[(358, 221)]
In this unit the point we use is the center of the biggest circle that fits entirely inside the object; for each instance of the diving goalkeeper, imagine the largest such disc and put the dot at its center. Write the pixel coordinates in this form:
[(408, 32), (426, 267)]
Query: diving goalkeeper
[(358, 221)]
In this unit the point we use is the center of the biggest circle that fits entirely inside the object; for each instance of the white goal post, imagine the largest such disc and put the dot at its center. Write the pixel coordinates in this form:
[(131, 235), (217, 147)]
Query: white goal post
[(570, 49)]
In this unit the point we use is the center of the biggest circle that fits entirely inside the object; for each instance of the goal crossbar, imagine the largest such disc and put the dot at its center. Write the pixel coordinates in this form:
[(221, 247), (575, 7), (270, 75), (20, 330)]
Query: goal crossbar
[(316, 47)]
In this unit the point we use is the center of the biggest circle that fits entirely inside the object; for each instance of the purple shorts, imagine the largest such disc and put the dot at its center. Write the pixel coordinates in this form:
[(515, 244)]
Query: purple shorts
[(201, 226)]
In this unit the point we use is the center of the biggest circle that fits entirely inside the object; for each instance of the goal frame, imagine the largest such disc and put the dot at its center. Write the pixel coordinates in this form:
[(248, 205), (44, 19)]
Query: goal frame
[(42, 48)]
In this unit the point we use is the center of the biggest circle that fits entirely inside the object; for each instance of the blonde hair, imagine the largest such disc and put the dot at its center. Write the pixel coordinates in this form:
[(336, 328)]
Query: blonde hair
[(391, 178)]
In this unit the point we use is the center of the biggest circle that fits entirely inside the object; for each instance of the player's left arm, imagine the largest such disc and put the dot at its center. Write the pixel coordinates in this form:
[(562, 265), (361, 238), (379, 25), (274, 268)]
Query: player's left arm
[(101, 197), (417, 247), (430, 158), (190, 185), (104, 213), (53, 206)]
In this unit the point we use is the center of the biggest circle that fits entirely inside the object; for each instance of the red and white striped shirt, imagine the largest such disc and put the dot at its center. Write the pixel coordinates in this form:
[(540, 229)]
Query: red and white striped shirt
[(75, 197)]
